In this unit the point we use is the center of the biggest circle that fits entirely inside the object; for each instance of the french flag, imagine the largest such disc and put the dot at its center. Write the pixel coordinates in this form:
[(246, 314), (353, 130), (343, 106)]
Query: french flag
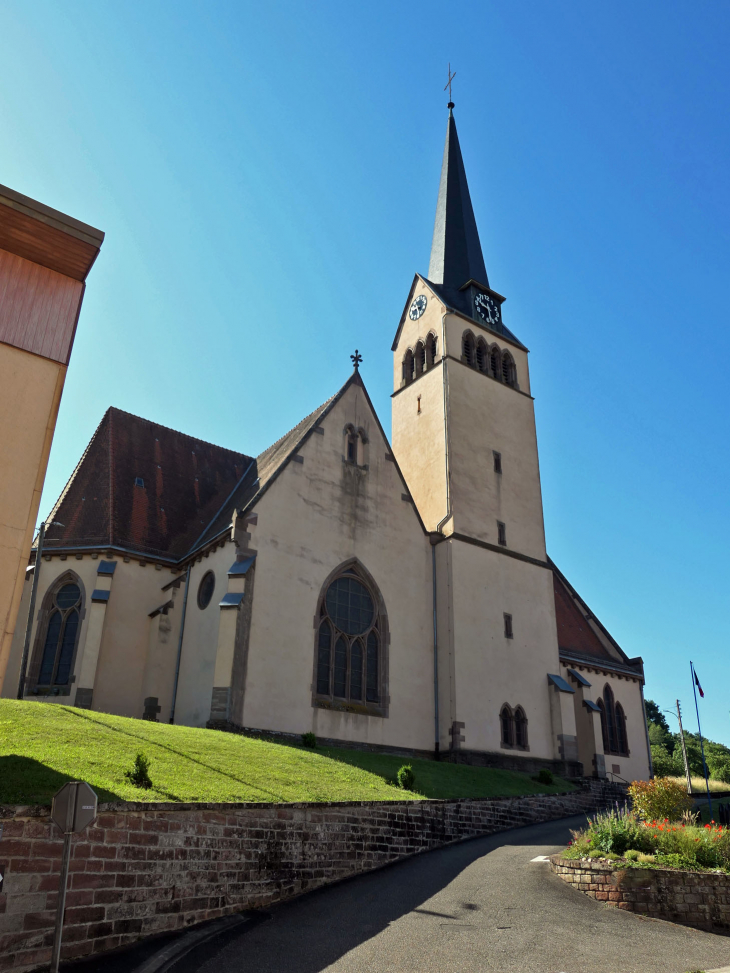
[(697, 683)]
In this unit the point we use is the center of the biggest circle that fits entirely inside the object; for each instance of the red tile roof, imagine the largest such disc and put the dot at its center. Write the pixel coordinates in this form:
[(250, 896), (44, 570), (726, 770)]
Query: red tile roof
[(575, 635), (186, 482)]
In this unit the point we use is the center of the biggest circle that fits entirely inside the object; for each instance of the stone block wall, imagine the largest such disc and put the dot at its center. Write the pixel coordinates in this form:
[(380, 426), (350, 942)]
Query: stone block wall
[(144, 869), (698, 899)]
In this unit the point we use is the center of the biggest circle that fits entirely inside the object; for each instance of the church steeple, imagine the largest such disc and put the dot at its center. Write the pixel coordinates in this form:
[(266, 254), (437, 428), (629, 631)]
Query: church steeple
[(456, 253)]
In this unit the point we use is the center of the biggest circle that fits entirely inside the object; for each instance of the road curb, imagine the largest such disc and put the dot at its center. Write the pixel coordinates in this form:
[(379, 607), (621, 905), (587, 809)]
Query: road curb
[(165, 958)]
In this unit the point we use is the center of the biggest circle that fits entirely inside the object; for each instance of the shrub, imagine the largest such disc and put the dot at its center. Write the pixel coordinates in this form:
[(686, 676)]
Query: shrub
[(140, 773), (615, 831), (406, 778), (595, 853), (632, 855), (720, 769), (646, 859), (659, 799), (662, 761), (545, 777), (309, 740)]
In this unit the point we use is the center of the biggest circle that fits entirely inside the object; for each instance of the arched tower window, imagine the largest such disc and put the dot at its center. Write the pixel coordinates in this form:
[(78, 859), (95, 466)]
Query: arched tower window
[(408, 367), (506, 722), (420, 358), (431, 350), (482, 356), (467, 348), (495, 361), (508, 369), (58, 637), (520, 728), (351, 640)]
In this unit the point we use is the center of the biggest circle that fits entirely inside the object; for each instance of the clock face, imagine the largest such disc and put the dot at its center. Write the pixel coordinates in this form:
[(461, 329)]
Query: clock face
[(486, 308), (418, 307)]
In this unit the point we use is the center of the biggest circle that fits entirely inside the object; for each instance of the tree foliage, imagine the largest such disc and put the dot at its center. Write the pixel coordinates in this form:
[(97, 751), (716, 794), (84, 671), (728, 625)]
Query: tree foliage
[(666, 750)]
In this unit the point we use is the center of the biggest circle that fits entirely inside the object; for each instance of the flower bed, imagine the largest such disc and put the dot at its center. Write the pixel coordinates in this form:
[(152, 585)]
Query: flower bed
[(654, 858), (700, 899)]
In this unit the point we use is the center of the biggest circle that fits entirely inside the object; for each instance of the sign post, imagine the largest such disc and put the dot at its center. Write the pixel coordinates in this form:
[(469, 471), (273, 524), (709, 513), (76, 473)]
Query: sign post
[(74, 808)]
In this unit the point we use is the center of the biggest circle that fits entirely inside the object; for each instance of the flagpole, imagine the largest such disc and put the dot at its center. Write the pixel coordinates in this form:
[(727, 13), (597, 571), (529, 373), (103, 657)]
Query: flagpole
[(702, 746)]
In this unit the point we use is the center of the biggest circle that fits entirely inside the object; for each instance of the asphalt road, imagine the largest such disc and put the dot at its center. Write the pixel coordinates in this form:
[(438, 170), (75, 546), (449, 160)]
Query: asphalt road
[(478, 906)]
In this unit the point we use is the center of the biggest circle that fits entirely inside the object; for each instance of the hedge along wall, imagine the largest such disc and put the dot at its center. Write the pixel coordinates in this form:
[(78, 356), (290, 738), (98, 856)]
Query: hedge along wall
[(144, 869), (698, 899)]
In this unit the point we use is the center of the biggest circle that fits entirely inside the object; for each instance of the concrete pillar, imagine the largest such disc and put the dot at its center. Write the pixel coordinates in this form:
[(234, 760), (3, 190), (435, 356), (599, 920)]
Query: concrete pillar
[(562, 714), (89, 655), (228, 626), (588, 726)]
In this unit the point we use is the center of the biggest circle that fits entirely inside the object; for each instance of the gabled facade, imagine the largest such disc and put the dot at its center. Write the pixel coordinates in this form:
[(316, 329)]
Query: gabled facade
[(397, 597)]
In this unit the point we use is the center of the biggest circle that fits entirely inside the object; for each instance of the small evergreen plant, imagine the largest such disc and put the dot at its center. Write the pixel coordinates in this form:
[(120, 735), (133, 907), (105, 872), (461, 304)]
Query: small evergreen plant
[(406, 778), (544, 777), (140, 773), (309, 740)]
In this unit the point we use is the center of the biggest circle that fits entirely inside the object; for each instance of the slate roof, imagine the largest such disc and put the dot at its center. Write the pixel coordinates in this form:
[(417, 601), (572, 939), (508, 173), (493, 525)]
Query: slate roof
[(185, 482), (456, 253)]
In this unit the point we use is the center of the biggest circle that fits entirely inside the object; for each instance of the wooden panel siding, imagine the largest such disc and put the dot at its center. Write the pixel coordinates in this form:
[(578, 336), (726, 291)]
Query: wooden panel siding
[(38, 308), (45, 236)]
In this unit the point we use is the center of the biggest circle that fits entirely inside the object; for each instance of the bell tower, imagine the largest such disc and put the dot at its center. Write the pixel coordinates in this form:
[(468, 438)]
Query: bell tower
[(464, 437), (463, 420)]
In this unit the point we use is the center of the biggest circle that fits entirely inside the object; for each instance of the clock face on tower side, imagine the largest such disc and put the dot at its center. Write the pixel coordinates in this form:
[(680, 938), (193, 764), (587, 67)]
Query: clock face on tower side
[(418, 307), (486, 308)]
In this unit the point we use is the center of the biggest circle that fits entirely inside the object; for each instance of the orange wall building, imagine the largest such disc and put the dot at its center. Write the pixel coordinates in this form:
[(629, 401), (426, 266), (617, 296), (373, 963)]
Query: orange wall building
[(45, 258)]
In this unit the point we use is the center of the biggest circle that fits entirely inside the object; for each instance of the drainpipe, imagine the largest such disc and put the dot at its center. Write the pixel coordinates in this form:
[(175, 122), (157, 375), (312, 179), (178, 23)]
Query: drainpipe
[(179, 645), (435, 657)]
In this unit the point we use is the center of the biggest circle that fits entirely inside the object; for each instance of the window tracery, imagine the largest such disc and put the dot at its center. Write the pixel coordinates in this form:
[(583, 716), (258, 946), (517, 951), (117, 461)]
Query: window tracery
[(613, 724), (59, 633), (351, 637)]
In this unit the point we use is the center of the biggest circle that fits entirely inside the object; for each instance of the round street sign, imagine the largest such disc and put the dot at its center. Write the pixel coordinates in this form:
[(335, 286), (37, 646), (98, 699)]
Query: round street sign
[(74, 807)]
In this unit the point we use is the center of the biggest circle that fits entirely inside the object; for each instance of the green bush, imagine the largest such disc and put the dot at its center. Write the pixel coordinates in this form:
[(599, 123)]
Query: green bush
[(545, 777), (719, 767), (632, 855), (309, 740), (659, 799), (662, 761), (140, 773), (406, 778)]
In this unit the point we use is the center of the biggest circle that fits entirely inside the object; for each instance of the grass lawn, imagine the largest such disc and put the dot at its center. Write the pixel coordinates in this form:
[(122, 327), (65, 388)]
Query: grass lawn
[(42, 745)]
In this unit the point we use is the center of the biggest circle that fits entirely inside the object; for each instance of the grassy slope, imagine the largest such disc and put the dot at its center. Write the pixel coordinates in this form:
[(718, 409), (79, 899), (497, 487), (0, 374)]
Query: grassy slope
[(42, 745)]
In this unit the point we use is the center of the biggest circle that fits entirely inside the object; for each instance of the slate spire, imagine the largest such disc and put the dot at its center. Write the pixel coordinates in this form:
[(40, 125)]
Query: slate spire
[(456, 253)]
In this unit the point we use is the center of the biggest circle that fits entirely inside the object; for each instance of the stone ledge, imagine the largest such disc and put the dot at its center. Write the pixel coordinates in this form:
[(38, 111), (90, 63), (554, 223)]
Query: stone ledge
[(697, 899)]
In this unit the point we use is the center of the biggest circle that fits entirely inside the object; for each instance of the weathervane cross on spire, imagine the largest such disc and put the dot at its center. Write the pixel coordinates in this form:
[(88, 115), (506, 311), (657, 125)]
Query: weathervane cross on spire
[(448, 85), (356, 359)]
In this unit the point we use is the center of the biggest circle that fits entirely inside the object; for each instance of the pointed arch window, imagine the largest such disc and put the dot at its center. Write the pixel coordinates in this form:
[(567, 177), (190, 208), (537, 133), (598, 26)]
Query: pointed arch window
[(508, 369), (408, 367), (506, 723), (482, 356), (58, 638), (431, 350), (467, 348), (613, 724), (420, 358), (351, 635), (495, 361), (520, 729)]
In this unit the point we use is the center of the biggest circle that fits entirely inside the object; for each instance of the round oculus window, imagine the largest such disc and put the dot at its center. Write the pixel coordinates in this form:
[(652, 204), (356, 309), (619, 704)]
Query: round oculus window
[(350, 605), (205, 591)]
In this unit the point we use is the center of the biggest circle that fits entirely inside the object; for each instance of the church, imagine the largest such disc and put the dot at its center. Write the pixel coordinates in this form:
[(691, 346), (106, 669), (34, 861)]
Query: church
[(394, 595)]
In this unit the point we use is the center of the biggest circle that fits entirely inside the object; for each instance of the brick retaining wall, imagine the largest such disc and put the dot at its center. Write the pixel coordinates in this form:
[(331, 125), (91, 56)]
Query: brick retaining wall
[(144, 869), (698, 899)]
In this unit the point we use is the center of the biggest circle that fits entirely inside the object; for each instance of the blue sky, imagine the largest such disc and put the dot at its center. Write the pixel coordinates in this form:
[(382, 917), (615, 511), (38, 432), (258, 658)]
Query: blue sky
[(266, 175)]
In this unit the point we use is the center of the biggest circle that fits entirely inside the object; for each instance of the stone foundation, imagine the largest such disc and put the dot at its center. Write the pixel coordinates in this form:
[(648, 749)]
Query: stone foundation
[(144, 869), (698, 899)]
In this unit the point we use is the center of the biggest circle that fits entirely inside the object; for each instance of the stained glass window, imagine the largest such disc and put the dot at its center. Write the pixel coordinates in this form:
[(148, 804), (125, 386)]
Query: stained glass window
[(61, 636), (349, 642)]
